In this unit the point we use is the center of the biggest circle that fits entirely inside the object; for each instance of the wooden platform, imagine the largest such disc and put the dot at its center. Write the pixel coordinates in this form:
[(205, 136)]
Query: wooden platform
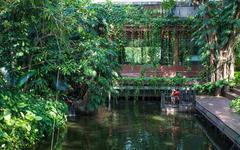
[(218, 112), (185, 108)]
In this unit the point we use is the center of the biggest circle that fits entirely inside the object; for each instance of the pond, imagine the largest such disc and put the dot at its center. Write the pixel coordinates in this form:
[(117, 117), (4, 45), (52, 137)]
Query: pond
[(138, 126)]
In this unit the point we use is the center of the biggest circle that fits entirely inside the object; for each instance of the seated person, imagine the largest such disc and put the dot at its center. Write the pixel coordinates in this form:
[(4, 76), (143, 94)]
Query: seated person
[(175, 96)]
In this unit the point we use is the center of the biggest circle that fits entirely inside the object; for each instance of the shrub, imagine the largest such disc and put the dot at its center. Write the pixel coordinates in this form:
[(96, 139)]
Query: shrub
[(209, 87), (25, 119), (235, 104), (156, 81), (237, 77)]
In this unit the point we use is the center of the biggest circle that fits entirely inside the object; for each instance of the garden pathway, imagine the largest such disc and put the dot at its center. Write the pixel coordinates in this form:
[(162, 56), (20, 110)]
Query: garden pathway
[(217, 111)]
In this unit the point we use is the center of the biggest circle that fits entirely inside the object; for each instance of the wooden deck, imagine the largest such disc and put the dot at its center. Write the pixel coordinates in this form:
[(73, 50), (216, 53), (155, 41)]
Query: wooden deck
[(218, 112), (171, 109)]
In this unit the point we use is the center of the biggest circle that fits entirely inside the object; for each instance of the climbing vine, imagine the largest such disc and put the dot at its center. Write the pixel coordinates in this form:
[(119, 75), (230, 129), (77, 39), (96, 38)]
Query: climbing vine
[(153, 40)]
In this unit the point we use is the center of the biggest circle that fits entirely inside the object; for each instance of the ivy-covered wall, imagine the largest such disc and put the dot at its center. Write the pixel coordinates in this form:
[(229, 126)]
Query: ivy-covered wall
[(165, 45), (153, 34)]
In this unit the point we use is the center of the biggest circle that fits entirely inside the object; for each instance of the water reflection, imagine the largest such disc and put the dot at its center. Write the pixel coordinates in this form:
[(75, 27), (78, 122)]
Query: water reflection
[(135, 126)]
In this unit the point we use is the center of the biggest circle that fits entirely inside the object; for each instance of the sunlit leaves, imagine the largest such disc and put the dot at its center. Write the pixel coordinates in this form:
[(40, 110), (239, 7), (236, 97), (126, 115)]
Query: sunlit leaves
[(25, 119), (235, 104)]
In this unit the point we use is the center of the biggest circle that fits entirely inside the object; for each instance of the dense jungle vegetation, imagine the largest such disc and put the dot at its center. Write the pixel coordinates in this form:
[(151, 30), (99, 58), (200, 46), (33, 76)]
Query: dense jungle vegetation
[(55, 49), (50, 49)]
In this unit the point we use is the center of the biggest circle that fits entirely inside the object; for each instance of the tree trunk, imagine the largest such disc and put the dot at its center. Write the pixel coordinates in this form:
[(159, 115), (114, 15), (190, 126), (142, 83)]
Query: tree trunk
[(212, 62), (225, 64), (230, 60)]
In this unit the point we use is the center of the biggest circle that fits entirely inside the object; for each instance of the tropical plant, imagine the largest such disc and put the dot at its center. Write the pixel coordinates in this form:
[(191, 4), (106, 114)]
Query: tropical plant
[(25, 119), (156, 81), (49, 49), (216, 27), (168, 4), (237, 77), (211, 87), (235, 104), (237, 52), (59, 47)]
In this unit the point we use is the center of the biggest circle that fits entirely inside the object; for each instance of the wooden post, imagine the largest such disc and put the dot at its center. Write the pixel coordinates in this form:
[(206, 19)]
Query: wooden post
[(162, 100), (109, 101)]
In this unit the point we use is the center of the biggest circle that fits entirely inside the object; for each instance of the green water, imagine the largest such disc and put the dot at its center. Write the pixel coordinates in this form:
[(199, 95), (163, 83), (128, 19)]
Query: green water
[(139, 126)]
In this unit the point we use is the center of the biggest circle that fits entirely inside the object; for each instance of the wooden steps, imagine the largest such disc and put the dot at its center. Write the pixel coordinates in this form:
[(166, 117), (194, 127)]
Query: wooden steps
[(236, 91), (232, 94)]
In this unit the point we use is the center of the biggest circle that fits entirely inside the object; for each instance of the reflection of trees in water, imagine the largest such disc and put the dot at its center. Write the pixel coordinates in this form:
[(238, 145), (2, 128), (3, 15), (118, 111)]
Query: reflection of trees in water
[(175, 131), (101, 114), (128, 126)]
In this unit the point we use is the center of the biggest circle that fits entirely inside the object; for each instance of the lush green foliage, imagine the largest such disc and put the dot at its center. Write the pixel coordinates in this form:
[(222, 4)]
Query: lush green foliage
[(214, 19), (59, 46), (235, 104), (157, 81), (157, 46), (25, 119), (237, 78), (68, 47), (147, 39), (168, 4), (216, 25), (50, 49), (211, 87), (237, 52)]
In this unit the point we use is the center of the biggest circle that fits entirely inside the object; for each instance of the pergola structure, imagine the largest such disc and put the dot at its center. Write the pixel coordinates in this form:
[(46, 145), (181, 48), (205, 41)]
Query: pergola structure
[(168, 39), (172, 41)]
